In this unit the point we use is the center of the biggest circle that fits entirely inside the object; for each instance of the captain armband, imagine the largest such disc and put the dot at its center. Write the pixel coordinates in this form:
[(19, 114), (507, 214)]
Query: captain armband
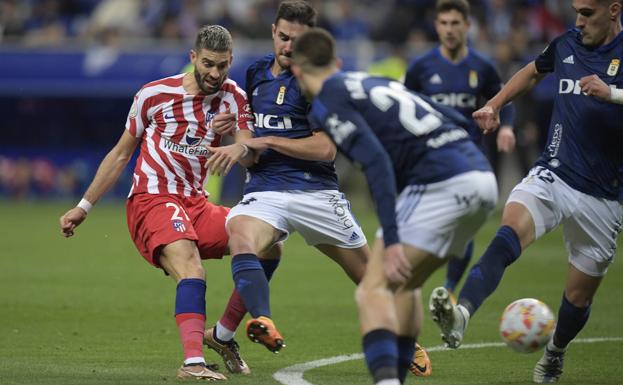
[(616, 95)]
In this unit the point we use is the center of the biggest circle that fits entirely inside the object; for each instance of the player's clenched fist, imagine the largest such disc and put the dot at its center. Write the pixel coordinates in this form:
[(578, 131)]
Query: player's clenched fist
[(72, 219), (487, 118), (224, 123), (593, 86)]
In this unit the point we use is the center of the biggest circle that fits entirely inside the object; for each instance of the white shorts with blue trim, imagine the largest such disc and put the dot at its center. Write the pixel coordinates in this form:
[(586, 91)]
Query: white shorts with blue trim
[(442, 217), (591, 225), (322, 217)]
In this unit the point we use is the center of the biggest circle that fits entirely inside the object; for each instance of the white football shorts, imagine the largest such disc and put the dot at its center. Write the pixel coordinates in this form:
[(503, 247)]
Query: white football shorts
[(591, 225), (322, 217), (443, 217)]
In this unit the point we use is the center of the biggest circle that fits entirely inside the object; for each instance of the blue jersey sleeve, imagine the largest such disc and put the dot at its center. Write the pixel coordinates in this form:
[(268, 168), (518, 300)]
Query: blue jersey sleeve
[(411, 77), (354, 138), (545, 61)]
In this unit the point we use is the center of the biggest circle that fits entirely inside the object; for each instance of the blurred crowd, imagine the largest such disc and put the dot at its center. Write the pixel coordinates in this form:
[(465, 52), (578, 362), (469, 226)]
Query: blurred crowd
[(512, 32), (54, 22)]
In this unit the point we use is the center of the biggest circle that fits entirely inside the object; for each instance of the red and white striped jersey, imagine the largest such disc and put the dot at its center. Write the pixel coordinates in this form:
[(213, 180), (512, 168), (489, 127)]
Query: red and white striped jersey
[(175, 127)]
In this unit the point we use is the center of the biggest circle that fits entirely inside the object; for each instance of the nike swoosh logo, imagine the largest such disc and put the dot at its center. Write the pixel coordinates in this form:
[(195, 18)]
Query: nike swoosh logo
[(169, 117), (421, 369)]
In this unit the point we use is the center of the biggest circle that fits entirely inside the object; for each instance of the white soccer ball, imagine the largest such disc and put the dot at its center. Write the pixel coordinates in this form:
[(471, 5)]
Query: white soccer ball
[(527, 325)]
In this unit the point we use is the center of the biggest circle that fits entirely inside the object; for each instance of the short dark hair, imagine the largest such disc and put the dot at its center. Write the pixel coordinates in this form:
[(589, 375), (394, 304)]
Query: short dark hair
[(296, 11), (461, 6), (314, 48), (214, 38)]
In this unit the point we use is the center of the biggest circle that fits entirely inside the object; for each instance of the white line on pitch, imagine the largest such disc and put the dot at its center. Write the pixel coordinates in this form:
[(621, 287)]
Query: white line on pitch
[(293, 375)]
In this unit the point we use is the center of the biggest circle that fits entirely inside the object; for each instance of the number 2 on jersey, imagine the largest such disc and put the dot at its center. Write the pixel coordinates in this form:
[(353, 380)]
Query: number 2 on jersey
[(384, 97), (176, 213)]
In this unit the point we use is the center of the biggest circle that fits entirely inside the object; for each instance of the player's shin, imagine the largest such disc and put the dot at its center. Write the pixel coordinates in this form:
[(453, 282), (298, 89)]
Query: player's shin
[(252, 284), (485, 276), (190, 318)]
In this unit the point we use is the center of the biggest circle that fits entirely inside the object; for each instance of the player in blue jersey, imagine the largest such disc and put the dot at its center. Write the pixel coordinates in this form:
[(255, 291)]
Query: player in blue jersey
[(576, 182), (404, 142), (458, 76), (292, 186)]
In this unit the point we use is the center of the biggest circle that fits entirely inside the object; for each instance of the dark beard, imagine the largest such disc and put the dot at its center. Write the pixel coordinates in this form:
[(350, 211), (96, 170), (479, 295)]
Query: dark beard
[(202, 85)]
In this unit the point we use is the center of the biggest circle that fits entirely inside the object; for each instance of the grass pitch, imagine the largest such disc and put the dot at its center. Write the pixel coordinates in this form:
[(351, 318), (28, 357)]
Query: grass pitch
[(89, 310)]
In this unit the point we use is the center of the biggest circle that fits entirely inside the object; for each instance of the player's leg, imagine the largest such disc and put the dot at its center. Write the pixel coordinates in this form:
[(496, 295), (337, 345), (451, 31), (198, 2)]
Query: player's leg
[(353, 261), (456, 269), (181, 261), (409, 312), (220, 337), (163, 233), (573, 314), (591, 245), (378, 322)]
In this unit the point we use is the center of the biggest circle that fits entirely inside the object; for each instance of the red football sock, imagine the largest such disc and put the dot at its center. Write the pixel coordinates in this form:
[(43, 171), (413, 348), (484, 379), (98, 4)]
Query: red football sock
[(191, 326), (234, 312)]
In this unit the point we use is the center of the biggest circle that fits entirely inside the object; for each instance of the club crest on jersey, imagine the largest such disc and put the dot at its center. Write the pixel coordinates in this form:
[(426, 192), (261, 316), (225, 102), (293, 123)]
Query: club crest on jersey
[(473, 79), (209, 116), (281, 95), (613, 68)]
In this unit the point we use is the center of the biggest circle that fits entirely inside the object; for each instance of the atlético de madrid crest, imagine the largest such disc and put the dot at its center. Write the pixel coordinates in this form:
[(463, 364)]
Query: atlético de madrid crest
[(613, 68)]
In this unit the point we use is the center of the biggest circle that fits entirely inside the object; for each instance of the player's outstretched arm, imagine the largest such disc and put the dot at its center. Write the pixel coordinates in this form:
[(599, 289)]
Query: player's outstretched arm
[(488, 117), (316, 147), (107, 174)]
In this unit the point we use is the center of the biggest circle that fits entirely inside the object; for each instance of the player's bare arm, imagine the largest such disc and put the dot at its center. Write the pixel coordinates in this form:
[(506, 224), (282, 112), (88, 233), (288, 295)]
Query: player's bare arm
[(488, 117), (107, 174), (318, 146), (223, 158)]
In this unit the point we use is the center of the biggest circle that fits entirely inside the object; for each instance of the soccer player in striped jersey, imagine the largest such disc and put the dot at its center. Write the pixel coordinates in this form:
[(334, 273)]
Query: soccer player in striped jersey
[(176, 123), (576, 182), (404, 142)]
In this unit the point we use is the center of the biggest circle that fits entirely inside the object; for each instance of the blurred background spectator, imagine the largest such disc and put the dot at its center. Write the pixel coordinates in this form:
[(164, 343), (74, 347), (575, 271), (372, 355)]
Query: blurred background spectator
[(69, 68)]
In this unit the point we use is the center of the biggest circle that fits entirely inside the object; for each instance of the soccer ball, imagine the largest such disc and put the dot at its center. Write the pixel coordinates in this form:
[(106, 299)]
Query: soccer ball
[(527, 325)]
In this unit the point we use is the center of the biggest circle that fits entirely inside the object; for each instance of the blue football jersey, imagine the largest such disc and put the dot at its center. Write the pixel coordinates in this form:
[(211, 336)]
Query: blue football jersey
[(281, 110), (585, 134), (398, 136), (465, 85)]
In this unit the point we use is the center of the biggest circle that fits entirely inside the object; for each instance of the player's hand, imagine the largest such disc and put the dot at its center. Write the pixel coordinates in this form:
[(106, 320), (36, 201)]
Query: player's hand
[(506, 139), (224, 123), (72, 219), (487, 119), (397, 266), (224, 158), (592, 85), (258, 145)]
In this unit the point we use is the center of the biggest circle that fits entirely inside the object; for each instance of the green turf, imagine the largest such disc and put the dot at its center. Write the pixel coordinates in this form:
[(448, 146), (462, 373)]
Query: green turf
[(89, 310)]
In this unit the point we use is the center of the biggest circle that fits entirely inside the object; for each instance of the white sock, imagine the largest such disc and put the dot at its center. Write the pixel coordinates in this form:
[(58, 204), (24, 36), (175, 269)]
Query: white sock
[(465, 314), (222, 333), (194, 360), (393, 381)]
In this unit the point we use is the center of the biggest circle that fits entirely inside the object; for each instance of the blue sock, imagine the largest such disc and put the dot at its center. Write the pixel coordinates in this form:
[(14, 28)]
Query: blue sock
[(457, 266), (269, 266), (191, 296), (406, 349), (381, 352), (251, 283), (571, 320), (485, 276)]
